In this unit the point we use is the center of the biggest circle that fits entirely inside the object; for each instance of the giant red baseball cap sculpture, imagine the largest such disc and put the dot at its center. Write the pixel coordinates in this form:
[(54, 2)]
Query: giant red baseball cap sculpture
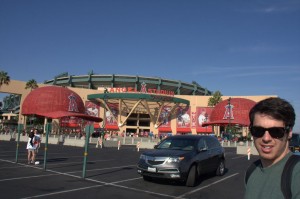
[(239, 112), (55, 102)]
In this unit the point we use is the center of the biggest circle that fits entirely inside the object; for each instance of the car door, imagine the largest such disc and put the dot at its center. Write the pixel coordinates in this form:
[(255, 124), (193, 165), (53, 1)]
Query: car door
[(203, 156), (215, 152)]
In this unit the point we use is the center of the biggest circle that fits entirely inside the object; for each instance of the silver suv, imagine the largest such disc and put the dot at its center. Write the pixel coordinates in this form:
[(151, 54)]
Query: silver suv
[(183, 157)]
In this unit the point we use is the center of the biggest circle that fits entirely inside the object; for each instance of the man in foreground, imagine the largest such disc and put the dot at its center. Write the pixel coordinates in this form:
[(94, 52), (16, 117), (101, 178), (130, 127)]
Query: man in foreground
[(271, 124)]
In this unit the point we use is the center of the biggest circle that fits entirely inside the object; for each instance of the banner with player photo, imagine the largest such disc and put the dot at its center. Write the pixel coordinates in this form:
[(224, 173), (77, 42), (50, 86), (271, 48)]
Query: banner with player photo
[(165, 119), (110, 122), (92, 109), (203, 115), (183, 122)]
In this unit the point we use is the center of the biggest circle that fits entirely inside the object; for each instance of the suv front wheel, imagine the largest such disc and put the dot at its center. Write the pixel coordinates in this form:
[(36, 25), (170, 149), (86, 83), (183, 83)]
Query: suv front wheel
[(192, 177)]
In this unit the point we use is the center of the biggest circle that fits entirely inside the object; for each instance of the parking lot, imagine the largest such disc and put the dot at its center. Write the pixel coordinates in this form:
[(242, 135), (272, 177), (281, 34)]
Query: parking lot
[(110, 173)]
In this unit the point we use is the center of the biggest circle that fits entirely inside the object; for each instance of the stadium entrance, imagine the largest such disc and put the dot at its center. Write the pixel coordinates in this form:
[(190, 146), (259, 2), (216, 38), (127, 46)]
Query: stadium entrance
[(138, 124), (136, 113)]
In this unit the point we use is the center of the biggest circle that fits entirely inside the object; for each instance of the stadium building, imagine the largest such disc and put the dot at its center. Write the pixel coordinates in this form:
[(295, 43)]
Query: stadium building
[(144, 106)]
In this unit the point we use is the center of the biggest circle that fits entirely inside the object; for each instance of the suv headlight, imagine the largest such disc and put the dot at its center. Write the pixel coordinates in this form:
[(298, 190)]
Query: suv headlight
[(143, 157), (174, 159)]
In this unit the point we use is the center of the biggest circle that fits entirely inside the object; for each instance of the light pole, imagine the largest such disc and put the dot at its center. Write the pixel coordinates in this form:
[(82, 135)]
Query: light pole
[(229, 117), (104, 114), (206, 120)]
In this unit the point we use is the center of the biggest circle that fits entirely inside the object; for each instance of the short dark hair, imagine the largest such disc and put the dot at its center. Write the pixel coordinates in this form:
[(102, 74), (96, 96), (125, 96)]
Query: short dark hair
[(31, 134), (276, 107)]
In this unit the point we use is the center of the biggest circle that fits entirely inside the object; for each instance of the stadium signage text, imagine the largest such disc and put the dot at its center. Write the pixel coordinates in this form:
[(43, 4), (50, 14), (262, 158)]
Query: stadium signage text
[(134, 90)]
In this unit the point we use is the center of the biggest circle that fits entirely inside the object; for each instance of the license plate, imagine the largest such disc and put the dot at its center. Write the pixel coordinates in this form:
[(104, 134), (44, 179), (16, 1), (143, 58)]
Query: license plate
[(151, 169)]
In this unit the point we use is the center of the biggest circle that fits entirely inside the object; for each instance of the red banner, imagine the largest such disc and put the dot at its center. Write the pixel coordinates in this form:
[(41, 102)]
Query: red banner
[(203, 115), (110, 122), (72, 122), (183, 120), (91, 108), (165, 120)]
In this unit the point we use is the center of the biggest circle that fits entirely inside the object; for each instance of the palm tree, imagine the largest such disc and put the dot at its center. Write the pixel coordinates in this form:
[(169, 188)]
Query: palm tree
[(4, 78), (215, 99), (32, 84)]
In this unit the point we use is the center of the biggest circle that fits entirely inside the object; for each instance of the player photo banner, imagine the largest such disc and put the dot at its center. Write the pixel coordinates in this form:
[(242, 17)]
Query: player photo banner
[(165, 120), (183, 119), (110, 122), (92, 109), (203, 115), (165, 117)]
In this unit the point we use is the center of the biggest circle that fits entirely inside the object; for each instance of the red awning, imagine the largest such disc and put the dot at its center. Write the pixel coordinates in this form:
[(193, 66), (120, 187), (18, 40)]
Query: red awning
[(71, 125), (232, 112), (97, 126), (183, 130), (207, 129), (107, 127), (111, 127), (60, 114), (225, 123), (164, 129)]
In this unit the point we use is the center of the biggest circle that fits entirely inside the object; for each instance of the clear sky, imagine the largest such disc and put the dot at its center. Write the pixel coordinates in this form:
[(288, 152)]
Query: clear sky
[(236, 47)]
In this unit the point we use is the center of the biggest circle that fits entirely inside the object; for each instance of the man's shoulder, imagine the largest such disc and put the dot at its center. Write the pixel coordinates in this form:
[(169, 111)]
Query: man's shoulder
[(297, 164), (292, 167)]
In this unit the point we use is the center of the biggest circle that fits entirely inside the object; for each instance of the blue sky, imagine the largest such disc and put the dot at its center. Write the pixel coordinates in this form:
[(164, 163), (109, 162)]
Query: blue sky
[(236, 47)]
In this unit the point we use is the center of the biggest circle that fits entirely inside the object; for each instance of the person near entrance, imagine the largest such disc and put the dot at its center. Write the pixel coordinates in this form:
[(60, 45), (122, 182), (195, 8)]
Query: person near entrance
[(38, 141), (31, 148), (271, 124)]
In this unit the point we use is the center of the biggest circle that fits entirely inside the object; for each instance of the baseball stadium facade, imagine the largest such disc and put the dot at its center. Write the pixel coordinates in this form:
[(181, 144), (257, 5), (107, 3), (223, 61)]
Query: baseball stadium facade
[(146, 105)]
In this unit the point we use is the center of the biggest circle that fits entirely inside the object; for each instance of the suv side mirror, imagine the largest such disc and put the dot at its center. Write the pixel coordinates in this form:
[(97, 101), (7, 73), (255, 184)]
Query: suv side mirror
[(202, 148)]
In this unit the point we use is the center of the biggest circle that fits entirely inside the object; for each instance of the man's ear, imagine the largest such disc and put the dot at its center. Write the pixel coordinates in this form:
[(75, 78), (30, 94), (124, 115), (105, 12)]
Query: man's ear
[(290, 133)]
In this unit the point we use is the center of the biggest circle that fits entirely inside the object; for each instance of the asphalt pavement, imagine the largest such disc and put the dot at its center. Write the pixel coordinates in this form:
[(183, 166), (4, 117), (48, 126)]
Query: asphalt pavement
[(109, 173)]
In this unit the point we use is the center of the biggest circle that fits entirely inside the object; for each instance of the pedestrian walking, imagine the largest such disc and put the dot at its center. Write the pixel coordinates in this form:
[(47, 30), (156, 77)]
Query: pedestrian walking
[(31, 148)]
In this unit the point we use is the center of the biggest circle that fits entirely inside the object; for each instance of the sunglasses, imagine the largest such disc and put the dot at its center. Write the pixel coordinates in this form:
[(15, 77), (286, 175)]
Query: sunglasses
[(275, 132)]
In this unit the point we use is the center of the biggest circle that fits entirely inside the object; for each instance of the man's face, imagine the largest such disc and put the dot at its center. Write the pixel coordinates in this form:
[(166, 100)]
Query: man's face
[(270, 149)]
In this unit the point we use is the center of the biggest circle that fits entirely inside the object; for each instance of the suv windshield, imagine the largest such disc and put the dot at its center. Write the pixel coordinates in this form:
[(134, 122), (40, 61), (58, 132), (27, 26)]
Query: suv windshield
[(177, 144)]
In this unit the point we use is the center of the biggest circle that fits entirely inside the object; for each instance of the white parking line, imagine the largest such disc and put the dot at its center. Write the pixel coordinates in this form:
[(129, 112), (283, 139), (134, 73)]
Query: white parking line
[(11, 167), (144, 191), (127, 180), (21, 178), (60, 192), (65, 174), (105, 184), (81, 162), (6, 161), (195, 190), (104, 168)]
